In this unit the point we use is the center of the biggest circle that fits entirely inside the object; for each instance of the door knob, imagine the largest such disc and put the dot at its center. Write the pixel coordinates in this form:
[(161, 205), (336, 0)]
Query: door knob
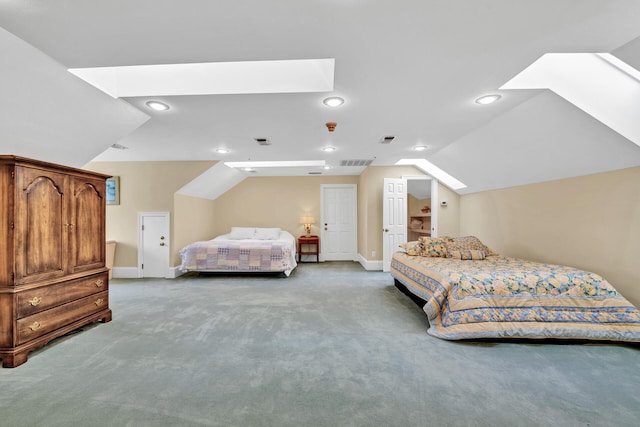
[(386, 230), (161, 243), (161, 237)]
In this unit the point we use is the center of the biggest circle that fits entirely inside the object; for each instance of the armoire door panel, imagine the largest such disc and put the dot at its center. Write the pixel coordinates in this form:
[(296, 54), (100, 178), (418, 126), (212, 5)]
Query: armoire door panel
[(40, 224), (87, 232)]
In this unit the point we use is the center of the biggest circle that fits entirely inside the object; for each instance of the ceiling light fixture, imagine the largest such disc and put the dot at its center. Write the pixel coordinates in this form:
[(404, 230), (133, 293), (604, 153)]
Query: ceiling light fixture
[(222, 150), (157, 105), (420, 147), (487, 99), (333, 101), (328, 149)]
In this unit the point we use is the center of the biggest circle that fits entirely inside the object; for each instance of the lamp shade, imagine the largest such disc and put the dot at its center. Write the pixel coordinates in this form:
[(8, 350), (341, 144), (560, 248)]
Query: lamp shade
[(307, 219)]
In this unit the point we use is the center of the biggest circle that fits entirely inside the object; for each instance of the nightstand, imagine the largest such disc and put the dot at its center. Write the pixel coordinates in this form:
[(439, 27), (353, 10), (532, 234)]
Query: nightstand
[(309, 241)]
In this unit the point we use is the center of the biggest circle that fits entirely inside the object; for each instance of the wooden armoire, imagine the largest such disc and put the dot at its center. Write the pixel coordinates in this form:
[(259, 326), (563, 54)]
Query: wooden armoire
[(53, 278)]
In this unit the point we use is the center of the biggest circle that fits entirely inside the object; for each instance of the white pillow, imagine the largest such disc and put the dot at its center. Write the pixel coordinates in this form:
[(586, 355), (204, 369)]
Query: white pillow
[(241, 233), (267, 234)]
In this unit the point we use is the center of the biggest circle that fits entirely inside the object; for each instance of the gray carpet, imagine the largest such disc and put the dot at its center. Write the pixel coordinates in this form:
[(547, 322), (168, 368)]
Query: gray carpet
[(332, 345)]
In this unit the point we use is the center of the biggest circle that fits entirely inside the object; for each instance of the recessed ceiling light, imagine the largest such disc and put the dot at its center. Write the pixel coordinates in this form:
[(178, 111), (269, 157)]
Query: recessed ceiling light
[(333, 101), (328, 149), (249, 169), (327, 167), (420, 147), (488, 99), (222, 150), (157, 105)]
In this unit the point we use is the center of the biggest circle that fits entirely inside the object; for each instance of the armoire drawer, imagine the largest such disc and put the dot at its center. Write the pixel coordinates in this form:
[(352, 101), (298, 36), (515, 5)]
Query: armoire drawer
[(46, 321), (40, 299)]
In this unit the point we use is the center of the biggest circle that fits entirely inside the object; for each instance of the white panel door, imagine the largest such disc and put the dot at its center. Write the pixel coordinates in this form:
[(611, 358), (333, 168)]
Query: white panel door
[(338, 222), (394, 218), (153, 249)]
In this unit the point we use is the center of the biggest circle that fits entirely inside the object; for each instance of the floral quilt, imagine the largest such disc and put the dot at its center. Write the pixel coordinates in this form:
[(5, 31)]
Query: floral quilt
[(501, 296)]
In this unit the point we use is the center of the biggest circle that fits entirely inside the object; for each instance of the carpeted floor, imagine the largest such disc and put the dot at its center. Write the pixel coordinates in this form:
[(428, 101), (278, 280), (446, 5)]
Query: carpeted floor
[(332, 345)]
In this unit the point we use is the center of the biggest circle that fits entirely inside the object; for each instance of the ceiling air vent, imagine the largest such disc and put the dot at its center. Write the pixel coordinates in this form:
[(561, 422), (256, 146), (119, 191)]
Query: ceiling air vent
[(262, 141), (315, 173), (356, 162), (387, 139)]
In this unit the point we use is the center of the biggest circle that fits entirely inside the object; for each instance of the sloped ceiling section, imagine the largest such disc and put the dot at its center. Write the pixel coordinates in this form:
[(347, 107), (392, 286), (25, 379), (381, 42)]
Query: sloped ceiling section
[(214, 182), (546, 134), (48, 114), (412, 71), (597, 83)]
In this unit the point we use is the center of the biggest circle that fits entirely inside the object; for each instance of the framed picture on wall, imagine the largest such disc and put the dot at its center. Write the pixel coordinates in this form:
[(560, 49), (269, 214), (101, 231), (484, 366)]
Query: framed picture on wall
[(113, 190)]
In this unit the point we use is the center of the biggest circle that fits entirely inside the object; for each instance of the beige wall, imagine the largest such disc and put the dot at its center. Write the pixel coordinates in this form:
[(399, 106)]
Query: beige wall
[(273, 202), (193, 221), (448, 216), (590, 222), (415, 205), (144, 187)]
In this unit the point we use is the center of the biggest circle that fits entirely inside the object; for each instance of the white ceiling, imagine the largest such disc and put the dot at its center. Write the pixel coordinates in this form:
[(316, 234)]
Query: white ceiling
[(411, 69)]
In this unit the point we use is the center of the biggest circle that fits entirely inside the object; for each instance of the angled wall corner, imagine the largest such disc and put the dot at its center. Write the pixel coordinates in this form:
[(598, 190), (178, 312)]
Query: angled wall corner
[(600, 84), (214, 182)]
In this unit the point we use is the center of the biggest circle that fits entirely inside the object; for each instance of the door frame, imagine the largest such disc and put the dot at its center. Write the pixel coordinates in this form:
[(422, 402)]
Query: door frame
[(354, 200), (434, 199), (141, 215)]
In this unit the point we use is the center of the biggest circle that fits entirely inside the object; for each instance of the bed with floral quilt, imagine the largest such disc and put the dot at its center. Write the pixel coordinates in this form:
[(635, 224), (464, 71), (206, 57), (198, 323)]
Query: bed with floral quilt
[(243, 250), (469, 292)]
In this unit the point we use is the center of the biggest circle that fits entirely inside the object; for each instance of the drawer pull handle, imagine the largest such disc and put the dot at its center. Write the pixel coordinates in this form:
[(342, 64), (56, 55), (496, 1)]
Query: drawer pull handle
[(99, 283), (35, 301), (99, 302), (35, 326)]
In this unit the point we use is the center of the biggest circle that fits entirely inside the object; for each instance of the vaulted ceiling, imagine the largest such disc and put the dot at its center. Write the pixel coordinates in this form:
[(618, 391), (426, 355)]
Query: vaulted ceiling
[(409, 69)]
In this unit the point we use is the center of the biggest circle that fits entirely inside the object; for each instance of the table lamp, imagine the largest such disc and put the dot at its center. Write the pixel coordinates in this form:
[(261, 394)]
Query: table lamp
[(307, 220)]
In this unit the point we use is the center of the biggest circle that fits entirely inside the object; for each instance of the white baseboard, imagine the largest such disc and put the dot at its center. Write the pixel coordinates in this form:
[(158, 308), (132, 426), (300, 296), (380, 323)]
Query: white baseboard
[(125, 272), (175, 272), (369, 265)]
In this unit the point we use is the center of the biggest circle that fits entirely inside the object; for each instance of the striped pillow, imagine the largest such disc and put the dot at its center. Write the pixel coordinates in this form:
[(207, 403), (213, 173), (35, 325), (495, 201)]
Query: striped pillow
[(467, 254)]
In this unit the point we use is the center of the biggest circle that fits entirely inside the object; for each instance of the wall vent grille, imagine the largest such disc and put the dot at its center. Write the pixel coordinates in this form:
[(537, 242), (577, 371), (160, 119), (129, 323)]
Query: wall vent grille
[(387, 139), (356, 162), (263, 141)]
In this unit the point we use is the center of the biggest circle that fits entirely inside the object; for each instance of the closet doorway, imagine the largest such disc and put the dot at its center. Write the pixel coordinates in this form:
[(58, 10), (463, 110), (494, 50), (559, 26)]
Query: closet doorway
[(422, 207), (425, 189)]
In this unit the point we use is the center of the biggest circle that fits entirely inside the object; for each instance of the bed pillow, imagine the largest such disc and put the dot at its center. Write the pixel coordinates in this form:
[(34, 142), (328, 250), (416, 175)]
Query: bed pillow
[(412, 248), (471, 243), (242, 233), (468, 254), (267, 234), (435, 247)]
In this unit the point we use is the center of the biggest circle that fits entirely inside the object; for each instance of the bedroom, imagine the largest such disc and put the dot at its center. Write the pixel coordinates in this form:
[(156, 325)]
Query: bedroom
[(523, 198)]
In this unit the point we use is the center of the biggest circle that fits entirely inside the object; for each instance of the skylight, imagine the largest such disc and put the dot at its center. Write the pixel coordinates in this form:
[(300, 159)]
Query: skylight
[(434, 171), (275, 164), (212, 78), (598, 83)]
